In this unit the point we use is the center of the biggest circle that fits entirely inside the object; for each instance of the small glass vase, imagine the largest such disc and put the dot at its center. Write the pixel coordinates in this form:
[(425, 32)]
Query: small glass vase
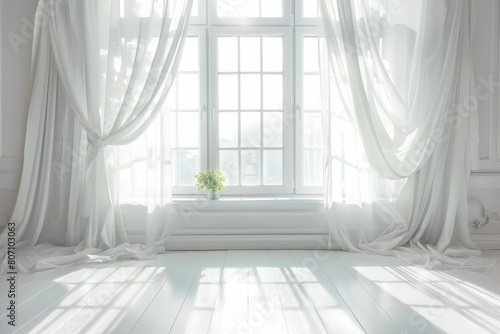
[(213, 195)]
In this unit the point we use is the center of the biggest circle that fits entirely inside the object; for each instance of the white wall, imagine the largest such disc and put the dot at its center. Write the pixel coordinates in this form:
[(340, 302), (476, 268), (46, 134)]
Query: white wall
[(484, 185), (16, 19)]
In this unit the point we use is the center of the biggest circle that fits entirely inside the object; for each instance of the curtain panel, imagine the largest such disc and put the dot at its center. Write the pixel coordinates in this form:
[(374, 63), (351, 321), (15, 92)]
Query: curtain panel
[(400, 129), (101, 71)]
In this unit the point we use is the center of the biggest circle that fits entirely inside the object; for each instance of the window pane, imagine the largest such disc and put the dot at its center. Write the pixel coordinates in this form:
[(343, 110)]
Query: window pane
[(195, 10), (172, 119), (172, 97), (272, 8), (137, 8), (187, 167), (337, 172), (310, 8), (228, 129), (250, 167), (228, 54), (228, 92), (273, 92), (272, 54), (173, 161), (188, 92), (238, 8), (273, 167), (250, 54), (312, 129), (312, 92), (313, 171), (273, 129), (250, 129), (350, 143), (311, 60), (188, 129), (250, 91), (228, 162), (189, 60)]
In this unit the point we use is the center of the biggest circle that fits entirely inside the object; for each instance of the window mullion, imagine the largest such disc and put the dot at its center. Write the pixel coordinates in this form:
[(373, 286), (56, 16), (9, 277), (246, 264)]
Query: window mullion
[(238, 55)]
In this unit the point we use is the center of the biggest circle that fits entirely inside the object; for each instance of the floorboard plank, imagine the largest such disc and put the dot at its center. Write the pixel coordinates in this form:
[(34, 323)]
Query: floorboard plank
[(298, 308), (411, 308), (196, 311), (137, 297), (231, 306), (28, 285), (451, 305), (265, 311), (115, 303), (160, 315), (28, 313), (85, 300), (370, 315), (331, 307)]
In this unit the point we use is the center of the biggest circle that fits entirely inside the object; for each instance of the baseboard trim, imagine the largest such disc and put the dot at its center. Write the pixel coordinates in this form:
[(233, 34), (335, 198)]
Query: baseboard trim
[(486, 241), (225, 242)]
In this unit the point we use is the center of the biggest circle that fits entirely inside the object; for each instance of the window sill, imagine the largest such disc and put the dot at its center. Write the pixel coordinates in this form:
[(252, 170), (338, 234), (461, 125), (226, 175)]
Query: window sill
[(248, 204)]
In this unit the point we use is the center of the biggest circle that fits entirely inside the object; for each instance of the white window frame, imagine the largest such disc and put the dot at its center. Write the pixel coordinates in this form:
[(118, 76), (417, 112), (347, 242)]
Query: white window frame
[(201, 19), (287, 187), (300, 187), (286, 20), (201, 33)]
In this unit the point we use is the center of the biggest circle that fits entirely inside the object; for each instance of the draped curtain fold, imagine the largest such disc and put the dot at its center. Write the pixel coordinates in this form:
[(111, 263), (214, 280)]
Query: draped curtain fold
[(400, 128), (101, 72)]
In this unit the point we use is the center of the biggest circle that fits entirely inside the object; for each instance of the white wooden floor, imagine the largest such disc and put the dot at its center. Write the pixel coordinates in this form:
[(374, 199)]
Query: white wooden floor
[(256, 292)]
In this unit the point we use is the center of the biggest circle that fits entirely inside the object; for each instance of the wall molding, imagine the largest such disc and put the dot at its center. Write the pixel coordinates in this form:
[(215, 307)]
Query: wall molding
[(484, 181), (10, 164), (10, 173), (486, 241), (10, 181)]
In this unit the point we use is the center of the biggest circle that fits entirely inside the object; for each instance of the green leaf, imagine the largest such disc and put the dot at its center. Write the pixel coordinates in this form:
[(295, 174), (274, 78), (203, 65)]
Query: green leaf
[(212, 180)]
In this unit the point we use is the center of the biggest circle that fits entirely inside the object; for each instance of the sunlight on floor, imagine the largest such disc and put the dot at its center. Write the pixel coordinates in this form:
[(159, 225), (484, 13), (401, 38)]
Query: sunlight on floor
[(99, 301), (438, 298), (258, 292)]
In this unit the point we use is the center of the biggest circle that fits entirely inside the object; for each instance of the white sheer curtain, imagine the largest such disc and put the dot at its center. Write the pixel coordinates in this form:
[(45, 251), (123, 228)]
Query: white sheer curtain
[(101, 71), (400, 127)]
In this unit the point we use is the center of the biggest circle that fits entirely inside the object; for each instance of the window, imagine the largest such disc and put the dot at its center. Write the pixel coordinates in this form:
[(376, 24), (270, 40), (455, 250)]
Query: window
[(249, 83), (251, 93)]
